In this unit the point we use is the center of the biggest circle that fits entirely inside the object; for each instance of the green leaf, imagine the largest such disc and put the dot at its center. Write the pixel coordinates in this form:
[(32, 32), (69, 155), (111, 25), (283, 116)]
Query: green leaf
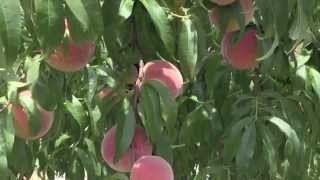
[(95, 16), (6, 140), (125, 8), (32, 112), (247, 147), (118, 176), (3, 61), (8, 75), (11, 19), (266, 11), (88, 163), (163, 148), (92, 84), (116, 12), (168, 105), (286, 129), (125, 128), (75, 170), (145, 35), (188, 47), (281, 14), (302, 55), (270, 51), (12, 92), (77, 111), (61, 140), (32, 66), (293, 147), (49, 21), (269, 151), (298, 30), (149, 110), (311, 77), (234, 140), (196, 127), (43, 86), (314, 78), (20, 158), (91, 147), (162, 23), (95, 115), (78, 9)]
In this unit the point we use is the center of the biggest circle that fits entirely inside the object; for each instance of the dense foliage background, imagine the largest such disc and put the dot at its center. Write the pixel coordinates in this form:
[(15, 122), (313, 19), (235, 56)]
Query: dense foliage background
[(228, 124)]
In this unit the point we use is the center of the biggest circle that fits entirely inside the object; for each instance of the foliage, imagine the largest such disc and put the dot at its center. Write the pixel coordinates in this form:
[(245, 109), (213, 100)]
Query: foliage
[(228, 124)]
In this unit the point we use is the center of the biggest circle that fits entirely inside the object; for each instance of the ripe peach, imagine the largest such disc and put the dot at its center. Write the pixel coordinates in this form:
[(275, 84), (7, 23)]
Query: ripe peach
[(75, 57), (151, 167), (20, 120), (223, 2), (241, 54), (139, 147), (166, 73), (233, 24)]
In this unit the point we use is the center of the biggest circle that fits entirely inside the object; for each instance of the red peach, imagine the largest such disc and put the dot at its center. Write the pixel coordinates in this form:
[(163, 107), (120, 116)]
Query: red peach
[(75, 57), (223, 2), (166, 73), (241, 54), (151, 167), (139, 147), (20, 120), (233, 24)]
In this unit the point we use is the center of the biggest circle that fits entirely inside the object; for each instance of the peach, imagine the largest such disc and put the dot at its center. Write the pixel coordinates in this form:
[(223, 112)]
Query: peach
[(20, 120), (223, 2), (139, 147), (243, 53), (166, 73), (151, 167), (233, 24), (73, 58)]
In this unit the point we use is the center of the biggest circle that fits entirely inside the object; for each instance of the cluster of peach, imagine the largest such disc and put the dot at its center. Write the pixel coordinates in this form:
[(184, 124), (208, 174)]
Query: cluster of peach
[(241, 54), (71, 58), (138, 159)]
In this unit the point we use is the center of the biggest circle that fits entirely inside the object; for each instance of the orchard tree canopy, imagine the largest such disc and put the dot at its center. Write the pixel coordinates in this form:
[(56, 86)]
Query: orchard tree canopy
[(160, 89)]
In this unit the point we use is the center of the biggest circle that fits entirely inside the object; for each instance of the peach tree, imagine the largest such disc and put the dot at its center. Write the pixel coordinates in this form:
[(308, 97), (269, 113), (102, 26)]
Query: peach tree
[(160, 89)]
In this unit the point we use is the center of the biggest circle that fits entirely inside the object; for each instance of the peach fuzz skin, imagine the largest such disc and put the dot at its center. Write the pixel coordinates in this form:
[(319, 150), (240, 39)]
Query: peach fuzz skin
[(139, 147), (151, 167), (166, 73), (20, 120), (241, 55), (233, 25), (75, 57)]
